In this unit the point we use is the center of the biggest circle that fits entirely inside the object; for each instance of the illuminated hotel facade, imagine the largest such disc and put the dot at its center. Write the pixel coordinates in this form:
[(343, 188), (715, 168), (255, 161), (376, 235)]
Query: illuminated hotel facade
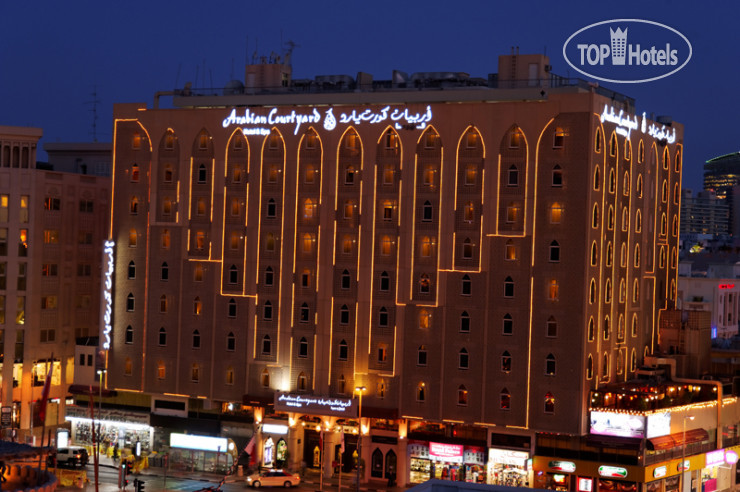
[(478, 258)]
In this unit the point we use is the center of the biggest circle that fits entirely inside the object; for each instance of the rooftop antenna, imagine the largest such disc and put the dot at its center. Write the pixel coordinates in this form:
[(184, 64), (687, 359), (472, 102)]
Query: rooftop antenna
[(95, 101)]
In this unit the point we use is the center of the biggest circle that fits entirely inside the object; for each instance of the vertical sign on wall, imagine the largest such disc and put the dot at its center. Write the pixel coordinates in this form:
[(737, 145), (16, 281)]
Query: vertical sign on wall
[(106, 307)]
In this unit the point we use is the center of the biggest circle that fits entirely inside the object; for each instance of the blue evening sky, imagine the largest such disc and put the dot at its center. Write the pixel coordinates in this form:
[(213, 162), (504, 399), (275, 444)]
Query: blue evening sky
[(54, 55)]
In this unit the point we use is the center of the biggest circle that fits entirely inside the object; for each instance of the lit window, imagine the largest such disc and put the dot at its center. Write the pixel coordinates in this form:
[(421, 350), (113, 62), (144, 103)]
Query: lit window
[(553, 290), (235, 240), (310, 174), (386, 246), (420, 392), (506, 362), (471, 174), (428, 176), (349, 175), (515, 139), (505, 399), (388, 173), (462, 396), (511, 252), (556, 213), (349, 209), (270, 242), (512, 212), (165, 239), (136, 140), (382, 353), (200, 240), (197, 306), (425, 319), (198, 272), (135, 173), (161, 371), (469, 212), (308, 242), (229, 375), (427, 246), (558, 138), (424, 283), (347, 243), (549, 403), (309, 208), (168, 173)]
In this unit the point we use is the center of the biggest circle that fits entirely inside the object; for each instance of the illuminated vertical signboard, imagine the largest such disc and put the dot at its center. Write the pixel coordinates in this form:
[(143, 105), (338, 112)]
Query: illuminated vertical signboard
[(106, 308)]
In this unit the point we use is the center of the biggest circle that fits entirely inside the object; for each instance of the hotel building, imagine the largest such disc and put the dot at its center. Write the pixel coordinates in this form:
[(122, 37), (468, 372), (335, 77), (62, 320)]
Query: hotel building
[(52, 227), (461, 261)]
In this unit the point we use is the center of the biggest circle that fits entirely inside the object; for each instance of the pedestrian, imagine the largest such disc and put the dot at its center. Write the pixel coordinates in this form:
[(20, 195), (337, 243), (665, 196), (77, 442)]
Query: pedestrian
[(303, 468)]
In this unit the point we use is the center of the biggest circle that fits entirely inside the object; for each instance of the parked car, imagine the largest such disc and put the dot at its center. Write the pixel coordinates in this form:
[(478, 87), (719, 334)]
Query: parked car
[(72, 456), (273, 478)]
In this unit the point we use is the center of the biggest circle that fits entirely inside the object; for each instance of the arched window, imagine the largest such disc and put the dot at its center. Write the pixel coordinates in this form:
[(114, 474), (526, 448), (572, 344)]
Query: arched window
[(196, 339), (309, 208), (229, 380), (420, 392), (271, 208), (133, 237), (594, 254), (269, 276), (557, 176), (424, 283), (462, 396), (509, 287), (610, 218), (463, 359), (663, 225), (231, 313), (427, 246), (553, 291), (163, 303), (343, 352), (505, 399), (621, 328), (636, 291), (634, 325), (303, 348), (135, 173), (468, 212), (128, 367), (161, 370), (613, 145), (464, 322), (508, 325), (129, 335), (265, 378), (664, 192), (589, 367), (597, 178), (506, 362), (421, 356), (230, 342), (551, 327), (638, 221), (383, 317), (166, 239), (640, 152), (305, 313), (549, 403), (637, 256), (556, 213), (554, 251), (510, 252), (162, 337), (267, 311), (302, 382), (595, 216), (623, 255), (425, 319), (427, 212), (346, 279), (609, 254), (605, 366), (344, 315), (622, 290), (638, 187), (626, 184), (385, 282), (467, 249), (550, 365), (591, 334), (606, 328), (466, 286), (130, 302), (612, 181), (633, 360), (165, 271), (266, 345), (592, 292), (131, 270)]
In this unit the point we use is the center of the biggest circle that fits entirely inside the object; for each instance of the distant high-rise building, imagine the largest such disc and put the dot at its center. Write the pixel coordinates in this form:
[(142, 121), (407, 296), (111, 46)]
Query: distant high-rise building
[(722, 173), (704, 213), (52, 227)]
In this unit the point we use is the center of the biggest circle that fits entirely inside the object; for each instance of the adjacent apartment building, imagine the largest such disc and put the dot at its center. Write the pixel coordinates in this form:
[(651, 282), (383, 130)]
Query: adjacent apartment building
[(460, 261), (52, 227)]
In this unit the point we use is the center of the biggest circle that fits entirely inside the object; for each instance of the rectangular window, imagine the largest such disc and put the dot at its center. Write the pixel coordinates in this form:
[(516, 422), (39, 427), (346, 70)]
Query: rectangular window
[(20, 311), (2, 310), (3, 241), (51, 236), (23, 215), (47, 336), (52, 203), (85, 237), (83, 301), (22, 275), (49, 270), (4, 200), (3, 274), (86, 206), (84, 270), (23, 242)]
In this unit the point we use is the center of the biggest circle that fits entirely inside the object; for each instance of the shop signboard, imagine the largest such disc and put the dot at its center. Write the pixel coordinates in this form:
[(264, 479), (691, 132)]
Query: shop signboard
[(315, 405), (658, 424), (715, 458), (660, 472), (450, 453), (617, 424), (6, 417), (198, 443), (612, 471), (275, 429), (686, 466), (508, 457), (731, 457), (563, 466), (585, 484)]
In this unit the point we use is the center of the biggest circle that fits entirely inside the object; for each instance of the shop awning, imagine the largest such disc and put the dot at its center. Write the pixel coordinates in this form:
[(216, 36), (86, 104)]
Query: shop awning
[(86, 389), (675, 440)]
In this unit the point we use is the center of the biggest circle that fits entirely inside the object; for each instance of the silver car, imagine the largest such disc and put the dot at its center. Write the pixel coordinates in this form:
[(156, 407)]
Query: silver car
[(273, 478)]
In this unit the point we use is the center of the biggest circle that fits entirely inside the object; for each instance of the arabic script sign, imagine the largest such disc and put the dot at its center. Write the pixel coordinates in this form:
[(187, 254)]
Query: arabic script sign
[(256, 124), (312, 404)]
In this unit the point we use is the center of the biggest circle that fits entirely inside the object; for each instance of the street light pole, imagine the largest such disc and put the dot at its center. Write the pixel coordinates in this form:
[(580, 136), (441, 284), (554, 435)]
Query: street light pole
[(359, 389), (96, 445), (683, 453)]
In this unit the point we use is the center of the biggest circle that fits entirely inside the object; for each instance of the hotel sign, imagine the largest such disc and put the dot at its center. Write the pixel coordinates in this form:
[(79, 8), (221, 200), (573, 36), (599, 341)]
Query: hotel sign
[(315, 405), (258, 124), (626, 123), (107, 307)]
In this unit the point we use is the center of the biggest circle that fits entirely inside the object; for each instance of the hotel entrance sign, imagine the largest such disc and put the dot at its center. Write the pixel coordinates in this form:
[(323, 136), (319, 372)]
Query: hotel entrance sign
[(315, 405)]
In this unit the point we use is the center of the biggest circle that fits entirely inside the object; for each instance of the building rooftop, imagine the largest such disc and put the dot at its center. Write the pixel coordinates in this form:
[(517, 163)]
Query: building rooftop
[(647, 396)]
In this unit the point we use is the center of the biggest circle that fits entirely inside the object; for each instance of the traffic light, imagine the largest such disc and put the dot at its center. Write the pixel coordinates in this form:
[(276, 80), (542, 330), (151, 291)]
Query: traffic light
[(122, 476), (138, 485)]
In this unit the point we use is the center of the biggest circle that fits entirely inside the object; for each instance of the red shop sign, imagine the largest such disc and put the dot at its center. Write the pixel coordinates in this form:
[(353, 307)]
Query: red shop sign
[(446, 452)]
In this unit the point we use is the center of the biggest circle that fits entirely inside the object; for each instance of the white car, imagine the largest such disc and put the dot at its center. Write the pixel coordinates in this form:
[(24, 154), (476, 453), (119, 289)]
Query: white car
[(72, 455), (273, 478)]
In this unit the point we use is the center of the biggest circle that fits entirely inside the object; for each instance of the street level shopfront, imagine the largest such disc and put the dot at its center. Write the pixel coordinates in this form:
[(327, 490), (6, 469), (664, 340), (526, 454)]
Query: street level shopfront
[(125, 428), (507, 467), (443, 461), (706, 472)]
